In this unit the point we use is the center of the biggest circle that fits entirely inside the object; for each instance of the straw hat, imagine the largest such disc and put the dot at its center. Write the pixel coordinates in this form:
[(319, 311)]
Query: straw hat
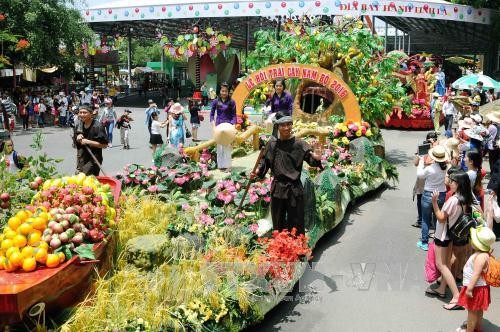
[(466, 123), (482, 238), (224, 133), (177, 109), (493, 117), (474, 134), (438, 154), (452, 146)]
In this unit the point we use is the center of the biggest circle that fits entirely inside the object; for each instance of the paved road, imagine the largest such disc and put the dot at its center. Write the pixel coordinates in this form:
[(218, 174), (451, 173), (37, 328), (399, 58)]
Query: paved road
[(375, 237)]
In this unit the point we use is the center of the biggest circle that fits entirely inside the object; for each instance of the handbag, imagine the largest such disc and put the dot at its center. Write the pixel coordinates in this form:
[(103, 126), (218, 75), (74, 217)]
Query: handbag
[(459, 231), (201, 117), (188, 133), (431, 271)]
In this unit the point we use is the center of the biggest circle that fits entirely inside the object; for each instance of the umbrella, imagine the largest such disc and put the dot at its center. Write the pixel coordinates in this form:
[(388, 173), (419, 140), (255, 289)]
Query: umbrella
[(467, 81)]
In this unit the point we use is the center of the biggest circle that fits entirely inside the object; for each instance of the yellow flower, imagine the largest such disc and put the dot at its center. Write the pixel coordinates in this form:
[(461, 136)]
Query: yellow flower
[(358, 133), (344, 128), (345, 140), (339, 126), (336, 141), (368, 133)]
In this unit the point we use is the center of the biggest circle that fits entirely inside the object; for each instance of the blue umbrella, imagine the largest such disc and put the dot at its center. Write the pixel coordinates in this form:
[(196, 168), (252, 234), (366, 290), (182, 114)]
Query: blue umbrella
[(470, 82)]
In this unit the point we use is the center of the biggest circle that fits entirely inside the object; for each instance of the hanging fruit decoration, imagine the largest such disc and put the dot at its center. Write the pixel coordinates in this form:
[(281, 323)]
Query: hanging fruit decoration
[(195, 41), (100, 45)]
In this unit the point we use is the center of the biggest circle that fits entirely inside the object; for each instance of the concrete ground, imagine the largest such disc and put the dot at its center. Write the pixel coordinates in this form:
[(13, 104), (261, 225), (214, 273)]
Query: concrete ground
[(367, 275)]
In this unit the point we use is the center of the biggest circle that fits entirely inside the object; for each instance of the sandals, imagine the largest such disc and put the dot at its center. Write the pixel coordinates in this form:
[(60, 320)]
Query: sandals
[(453, 306), (431, 292)]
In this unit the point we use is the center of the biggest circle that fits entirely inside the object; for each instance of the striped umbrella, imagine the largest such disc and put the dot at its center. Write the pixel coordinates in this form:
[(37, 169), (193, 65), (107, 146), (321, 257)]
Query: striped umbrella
[(470, 81)]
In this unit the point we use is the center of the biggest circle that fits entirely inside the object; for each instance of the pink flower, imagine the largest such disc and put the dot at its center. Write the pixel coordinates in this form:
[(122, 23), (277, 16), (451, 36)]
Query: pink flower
[(206, 219), (145, 182), (180, 181), (239, 120), (229, 221), (263, 191), (196, 176), (267, 199), (186, 207), (241, 216), (253, 198), (253, 228), (203, 206), (205, 173), (154, 168), (163, 169), (128, 180), (336, 132), (153, 189)]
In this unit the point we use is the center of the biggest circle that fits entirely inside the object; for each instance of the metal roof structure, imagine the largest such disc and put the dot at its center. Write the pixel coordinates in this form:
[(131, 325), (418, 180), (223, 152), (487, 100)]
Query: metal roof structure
[(433, 26)]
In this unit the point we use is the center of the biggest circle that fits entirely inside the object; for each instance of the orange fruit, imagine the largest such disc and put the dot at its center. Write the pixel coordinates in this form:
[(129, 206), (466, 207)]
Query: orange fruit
[(28, 251), (34, 237), (20, 241), (62, 257), (39, 223), (6, 244), (11, 250), (10, 234), (44, 215), (25, 228), (52, 260), (14, 222), (41, 255), (8, 266), (3, 259), (29, 264), (22, 215), (16, 258)]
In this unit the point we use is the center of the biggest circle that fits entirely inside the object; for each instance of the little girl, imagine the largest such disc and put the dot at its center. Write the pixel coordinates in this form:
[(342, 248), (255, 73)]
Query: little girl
[(475, 293)]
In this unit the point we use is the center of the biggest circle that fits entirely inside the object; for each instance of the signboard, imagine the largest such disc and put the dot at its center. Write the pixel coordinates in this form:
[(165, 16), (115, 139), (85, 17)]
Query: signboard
[(315, 74), (104, 59), (227, 8)]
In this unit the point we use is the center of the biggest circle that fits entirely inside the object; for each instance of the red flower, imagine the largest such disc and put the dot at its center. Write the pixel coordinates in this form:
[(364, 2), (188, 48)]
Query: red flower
[(22, 44), (2, 17)]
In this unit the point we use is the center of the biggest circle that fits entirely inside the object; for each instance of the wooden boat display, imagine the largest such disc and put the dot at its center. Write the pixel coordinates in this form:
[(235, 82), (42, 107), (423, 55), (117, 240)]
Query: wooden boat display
[(59, 287)]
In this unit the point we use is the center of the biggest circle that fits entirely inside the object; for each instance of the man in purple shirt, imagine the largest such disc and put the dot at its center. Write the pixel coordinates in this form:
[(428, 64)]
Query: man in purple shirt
[(224, 109), (281, 99)]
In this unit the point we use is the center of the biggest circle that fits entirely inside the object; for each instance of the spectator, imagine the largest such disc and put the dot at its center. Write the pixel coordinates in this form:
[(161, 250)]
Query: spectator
[(108, 119), (63, 109), (153, 108), (9, 155), (177, 119), (194, 109), (124, 125), (492, 121)]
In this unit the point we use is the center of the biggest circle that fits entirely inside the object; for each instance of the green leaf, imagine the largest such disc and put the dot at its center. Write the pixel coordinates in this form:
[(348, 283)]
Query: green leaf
[(66, 250), (85, 251)]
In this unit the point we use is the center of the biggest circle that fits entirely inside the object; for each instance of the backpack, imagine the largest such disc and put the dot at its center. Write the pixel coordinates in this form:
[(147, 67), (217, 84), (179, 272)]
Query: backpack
[(492, 275), (460, 230)]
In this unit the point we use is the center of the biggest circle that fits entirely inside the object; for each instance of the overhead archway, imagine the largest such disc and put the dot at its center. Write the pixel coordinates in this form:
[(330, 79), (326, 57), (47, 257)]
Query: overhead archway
[(318, 75)]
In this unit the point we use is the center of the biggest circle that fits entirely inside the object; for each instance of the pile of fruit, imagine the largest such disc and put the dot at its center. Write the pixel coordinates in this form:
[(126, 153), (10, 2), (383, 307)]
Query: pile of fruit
[(65, 214)]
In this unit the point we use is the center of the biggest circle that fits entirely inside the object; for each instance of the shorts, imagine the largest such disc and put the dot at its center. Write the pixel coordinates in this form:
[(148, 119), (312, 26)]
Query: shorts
[(155, 139), (440, 243), (461, 243)]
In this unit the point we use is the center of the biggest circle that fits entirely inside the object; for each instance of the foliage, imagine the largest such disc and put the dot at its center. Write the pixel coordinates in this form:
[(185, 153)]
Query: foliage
[(52, 28), (345, 48), (143, 51)]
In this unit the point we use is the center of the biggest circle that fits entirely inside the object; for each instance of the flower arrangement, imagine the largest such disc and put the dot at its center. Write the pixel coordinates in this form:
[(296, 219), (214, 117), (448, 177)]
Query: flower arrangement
[(336, 157), (282, 251), (343, 133), (186, 177), (419, 109), (242, 122), (193, 42), (101, 45)]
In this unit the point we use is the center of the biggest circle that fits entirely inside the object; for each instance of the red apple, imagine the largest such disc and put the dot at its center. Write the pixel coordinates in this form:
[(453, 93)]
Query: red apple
[(5, 205)]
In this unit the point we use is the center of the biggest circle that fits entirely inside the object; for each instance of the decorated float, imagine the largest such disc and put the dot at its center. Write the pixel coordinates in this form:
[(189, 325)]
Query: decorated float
[(184, 247)]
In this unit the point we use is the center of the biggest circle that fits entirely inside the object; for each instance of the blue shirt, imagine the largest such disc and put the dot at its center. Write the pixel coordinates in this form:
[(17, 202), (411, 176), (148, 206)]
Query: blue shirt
[(149, 112), (226, 111)]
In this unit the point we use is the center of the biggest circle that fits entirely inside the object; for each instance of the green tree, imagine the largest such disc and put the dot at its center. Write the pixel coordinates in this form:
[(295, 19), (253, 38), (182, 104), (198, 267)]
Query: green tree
[(53, 29), (346, 48), (142, 51)]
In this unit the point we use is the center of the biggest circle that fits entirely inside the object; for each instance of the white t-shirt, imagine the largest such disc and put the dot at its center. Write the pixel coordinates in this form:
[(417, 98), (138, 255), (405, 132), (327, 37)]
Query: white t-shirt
[(155, 128), (41, 108), (453, 209), (433, 175), (472, 177)]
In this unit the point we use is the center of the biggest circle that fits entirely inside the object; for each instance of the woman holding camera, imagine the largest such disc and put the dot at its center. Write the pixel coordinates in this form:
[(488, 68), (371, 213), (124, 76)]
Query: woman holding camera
[(434, 175)]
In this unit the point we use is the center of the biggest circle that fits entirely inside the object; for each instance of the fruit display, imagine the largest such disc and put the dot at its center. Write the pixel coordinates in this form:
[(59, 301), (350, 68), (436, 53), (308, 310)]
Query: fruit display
[(64, 214)]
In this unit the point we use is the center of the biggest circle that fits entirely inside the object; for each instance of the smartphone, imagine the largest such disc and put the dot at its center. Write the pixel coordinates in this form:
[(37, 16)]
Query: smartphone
[(423, 149)]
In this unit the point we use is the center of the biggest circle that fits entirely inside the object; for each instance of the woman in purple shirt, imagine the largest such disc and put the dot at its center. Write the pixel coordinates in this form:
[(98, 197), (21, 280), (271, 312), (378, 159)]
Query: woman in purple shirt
[(281, 99), (224, 111)]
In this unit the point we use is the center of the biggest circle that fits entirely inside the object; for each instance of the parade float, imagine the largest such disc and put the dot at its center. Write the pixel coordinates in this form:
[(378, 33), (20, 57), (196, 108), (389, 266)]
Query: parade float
[(194, 247)]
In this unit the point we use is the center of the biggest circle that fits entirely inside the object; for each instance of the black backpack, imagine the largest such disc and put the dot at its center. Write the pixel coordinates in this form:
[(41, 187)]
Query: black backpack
[(460, 230)]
